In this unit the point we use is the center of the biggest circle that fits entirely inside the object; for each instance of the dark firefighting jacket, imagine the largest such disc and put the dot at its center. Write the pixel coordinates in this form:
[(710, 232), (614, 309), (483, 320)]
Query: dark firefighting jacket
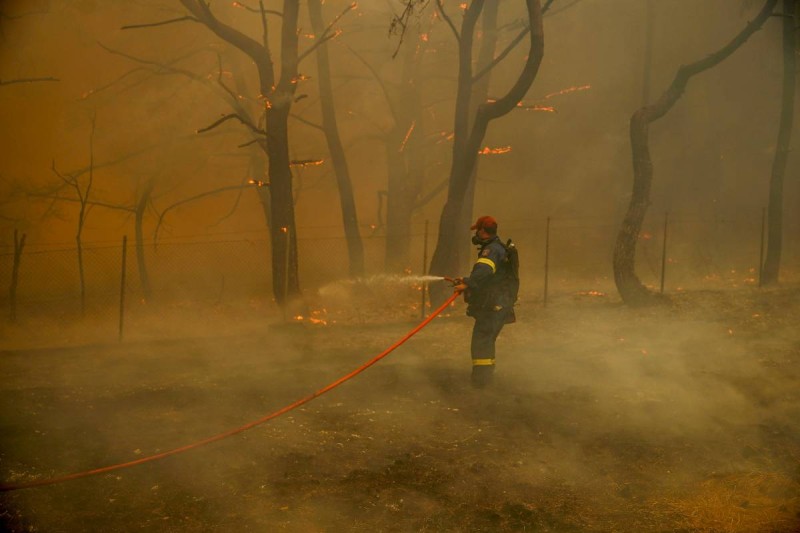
[(485, 287)]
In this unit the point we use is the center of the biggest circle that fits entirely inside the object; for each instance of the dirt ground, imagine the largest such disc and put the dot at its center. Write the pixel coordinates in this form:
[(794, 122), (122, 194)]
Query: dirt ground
[(684, 417)]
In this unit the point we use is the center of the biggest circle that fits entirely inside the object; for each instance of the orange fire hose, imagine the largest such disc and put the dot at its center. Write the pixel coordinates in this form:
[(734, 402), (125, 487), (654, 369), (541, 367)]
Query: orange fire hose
[(51, 481)]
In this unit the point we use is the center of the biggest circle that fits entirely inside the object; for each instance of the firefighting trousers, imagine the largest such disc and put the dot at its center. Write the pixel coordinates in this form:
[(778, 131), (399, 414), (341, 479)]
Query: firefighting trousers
[(488, 324)]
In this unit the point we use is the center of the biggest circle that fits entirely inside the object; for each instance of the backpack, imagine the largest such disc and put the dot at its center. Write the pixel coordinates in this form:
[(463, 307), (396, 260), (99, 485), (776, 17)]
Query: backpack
[(510, 282)]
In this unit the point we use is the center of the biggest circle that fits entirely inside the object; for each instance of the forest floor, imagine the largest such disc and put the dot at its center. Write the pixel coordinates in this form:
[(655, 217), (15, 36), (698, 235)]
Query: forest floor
[(682, 417)]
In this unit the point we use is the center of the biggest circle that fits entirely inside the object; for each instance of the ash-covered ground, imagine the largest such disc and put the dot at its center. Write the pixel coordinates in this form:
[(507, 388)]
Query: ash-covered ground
[(682, 417)]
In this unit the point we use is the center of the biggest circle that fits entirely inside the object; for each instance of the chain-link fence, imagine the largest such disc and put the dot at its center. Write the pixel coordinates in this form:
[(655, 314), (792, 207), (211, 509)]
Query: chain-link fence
[(180, 288)]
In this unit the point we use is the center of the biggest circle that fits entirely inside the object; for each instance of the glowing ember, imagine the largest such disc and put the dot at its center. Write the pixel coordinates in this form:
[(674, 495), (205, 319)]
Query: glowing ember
[(590, 293), (493, 151), (258, 183), (306, 162), (568, 90), (408, 134)]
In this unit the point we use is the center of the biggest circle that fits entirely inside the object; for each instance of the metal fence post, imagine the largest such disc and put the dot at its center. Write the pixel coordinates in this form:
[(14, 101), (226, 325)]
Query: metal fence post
[(761, 252), (122, 285), (664, 251), (546, 258), (424, 269)]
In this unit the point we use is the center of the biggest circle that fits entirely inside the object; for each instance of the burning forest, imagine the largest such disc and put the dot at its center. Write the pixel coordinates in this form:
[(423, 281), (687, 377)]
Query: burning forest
[(399, 265)]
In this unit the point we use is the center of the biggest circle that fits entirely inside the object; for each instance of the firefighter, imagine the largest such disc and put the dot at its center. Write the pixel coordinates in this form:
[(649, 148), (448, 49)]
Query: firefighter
[(488, 300)]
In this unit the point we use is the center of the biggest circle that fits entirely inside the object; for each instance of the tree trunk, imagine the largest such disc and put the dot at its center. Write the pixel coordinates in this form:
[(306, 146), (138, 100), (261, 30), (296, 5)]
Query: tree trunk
[(480, 93), (446, 259), (19, 246), (772, 263), (630, 288), (141, 205), (278, 100), (404, 159), (355, 247)]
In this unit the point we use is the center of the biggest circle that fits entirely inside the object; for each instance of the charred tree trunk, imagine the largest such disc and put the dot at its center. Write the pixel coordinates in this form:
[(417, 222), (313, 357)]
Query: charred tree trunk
[(141, 205), (480, 93), (404, 161), (446, 259), (630, 288), (772, 263), (277, 104), (19, 246), (355, 247)]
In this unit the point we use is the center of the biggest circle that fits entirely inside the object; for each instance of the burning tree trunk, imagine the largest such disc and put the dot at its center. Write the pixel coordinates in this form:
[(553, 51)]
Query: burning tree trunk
[(278, 101), (631, 289), (355, 247), (467, 139), (772, 263)]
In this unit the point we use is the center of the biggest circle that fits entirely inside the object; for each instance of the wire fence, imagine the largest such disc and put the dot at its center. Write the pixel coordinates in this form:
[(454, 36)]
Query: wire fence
[(215, 285)]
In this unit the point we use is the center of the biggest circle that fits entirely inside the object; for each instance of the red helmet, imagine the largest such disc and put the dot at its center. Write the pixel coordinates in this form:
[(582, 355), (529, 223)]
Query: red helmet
[(486, 223)]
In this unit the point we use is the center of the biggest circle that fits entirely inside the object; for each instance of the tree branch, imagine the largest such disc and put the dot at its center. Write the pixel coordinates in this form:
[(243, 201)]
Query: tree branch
[(229, 117), (27, 80), (162, 23)]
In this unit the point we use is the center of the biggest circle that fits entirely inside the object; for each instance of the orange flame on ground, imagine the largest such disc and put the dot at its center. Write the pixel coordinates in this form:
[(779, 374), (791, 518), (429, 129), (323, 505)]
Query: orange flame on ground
[(590, 293), (493, 151)]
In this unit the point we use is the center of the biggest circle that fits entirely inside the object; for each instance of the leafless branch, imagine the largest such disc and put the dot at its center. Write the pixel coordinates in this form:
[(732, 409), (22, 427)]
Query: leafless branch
[(447, 19), (327, 35), (306, 121), (27, 80), (229, 117), (162, 23), (260, 10), (192, 199), (502, 55)]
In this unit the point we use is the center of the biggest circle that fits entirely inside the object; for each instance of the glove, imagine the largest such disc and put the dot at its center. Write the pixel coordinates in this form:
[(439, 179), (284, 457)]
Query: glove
[(459, 285)]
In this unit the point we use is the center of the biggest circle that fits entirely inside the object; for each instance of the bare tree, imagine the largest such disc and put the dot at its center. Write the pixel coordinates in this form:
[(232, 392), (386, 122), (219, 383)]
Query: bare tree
[(330, 128), (278, 93), (469, 131), (772, 263), (631, 289), (82, 193)]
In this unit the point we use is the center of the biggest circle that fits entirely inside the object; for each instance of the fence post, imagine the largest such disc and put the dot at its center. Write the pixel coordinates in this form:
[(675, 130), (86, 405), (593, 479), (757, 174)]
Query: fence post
[(122, 285), (761, 252), (664, 251), (19, 244), (286, 274), (546, 258), (424, 269)]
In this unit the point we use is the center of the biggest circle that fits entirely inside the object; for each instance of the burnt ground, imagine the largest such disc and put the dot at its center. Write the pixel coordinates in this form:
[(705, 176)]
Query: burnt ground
[(684, 417)]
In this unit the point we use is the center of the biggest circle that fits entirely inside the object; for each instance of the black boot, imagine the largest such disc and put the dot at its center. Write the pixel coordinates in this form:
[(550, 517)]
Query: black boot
[(482, 375)]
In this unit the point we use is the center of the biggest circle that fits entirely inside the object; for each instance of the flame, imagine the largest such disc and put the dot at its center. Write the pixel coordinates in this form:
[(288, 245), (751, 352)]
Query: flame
[(537, 107), (568, 90), (317, 316), (305, 162), (591, 293), (408, 134), (423, 37), (258, 183), (299, 78), (493, 151), (547, 108)]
